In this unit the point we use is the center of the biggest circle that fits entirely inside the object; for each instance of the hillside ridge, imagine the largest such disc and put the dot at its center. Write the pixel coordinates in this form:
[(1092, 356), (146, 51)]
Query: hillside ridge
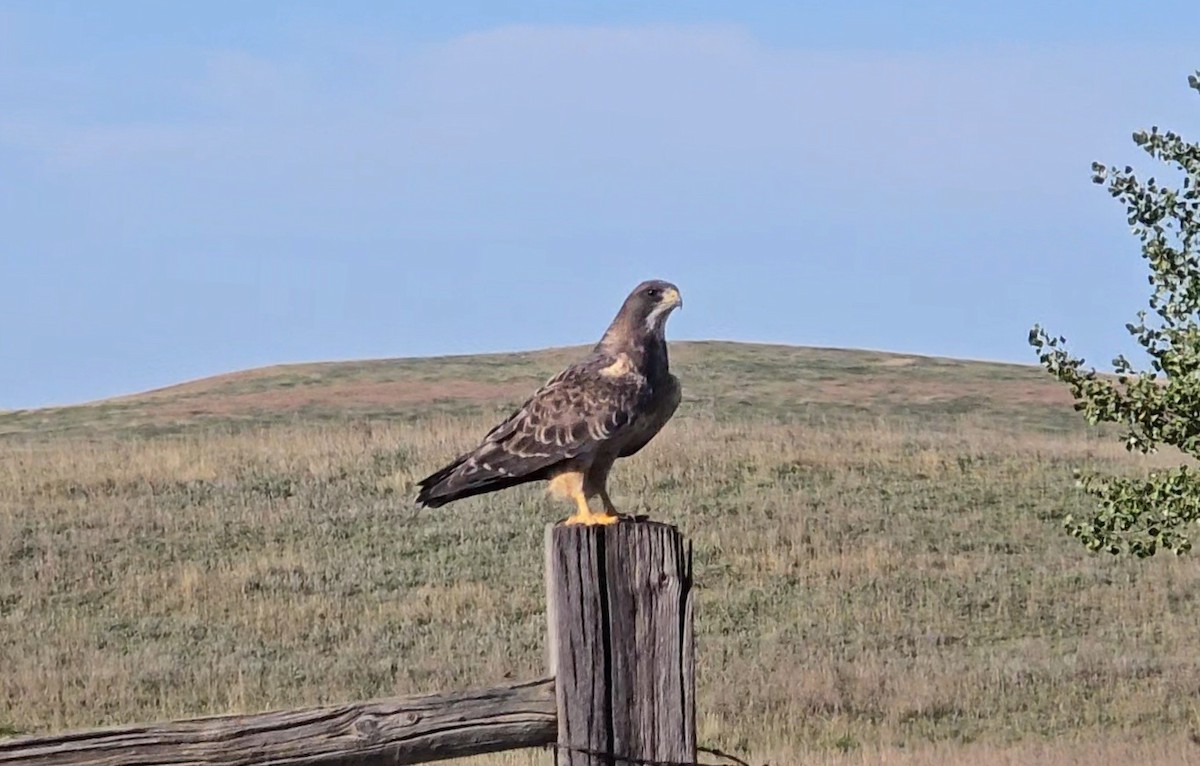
[(729, 378), (283, 367)]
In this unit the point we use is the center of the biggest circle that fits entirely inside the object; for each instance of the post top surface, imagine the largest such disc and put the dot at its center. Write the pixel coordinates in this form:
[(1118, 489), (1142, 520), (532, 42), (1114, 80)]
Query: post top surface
[(638, 523)]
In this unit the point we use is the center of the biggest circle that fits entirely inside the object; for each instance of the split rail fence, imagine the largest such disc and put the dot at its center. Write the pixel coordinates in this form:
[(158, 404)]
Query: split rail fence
[(621, 690)]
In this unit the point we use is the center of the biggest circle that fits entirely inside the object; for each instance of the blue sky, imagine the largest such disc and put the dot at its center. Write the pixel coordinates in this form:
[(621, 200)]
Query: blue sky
[(198, 188)]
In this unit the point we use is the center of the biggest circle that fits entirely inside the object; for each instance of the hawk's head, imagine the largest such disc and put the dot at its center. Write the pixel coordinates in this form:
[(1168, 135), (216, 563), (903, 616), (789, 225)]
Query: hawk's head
[(651, 303), (644, 313)]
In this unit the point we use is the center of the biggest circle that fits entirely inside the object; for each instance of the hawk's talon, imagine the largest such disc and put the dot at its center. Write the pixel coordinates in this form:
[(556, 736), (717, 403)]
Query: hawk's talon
[(591, 519)]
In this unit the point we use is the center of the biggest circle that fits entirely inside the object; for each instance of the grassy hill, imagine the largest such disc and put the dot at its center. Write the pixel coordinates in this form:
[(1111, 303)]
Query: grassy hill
[(723, 380), (882, 573)]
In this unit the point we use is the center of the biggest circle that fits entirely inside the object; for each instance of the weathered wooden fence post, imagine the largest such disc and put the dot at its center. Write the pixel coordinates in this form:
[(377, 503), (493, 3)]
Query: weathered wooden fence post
[(619, 607)]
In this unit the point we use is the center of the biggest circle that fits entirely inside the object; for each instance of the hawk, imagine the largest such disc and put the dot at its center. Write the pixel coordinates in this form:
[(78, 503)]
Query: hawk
[(606, 406)]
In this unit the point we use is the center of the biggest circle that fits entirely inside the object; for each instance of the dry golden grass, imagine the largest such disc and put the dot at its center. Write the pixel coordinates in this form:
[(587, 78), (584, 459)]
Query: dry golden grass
[(874, 586), (1098, 751)]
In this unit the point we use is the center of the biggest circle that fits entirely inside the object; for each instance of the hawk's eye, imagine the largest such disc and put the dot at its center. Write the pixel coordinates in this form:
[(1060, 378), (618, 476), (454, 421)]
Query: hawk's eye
[(654, 292)]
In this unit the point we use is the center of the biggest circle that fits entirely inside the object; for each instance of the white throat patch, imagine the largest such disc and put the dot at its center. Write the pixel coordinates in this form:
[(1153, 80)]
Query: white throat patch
[(657, 318)]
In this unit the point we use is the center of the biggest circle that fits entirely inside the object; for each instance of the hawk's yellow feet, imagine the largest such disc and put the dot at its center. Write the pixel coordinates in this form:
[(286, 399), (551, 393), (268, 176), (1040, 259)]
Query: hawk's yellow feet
[(585, 514), (588, 518), (569, 485)]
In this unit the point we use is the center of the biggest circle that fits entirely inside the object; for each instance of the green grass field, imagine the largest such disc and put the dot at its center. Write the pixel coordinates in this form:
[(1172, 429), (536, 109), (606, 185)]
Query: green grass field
[(882, 574)]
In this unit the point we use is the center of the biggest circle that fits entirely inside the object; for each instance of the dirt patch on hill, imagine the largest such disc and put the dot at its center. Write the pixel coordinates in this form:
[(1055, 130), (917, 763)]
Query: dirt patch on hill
[(348, 395), (213, 384), (932, 391)]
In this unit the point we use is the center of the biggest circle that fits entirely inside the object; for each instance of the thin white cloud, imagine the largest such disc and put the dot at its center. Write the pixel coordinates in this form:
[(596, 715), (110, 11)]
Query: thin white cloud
[(599, 112), (900, 182)]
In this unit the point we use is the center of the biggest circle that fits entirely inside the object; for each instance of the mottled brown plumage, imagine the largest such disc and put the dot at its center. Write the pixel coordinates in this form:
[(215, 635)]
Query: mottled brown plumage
[(607, 406)]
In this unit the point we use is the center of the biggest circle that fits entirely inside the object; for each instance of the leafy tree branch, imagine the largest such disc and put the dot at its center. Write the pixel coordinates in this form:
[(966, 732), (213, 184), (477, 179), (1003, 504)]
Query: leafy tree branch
[(1159, 405)]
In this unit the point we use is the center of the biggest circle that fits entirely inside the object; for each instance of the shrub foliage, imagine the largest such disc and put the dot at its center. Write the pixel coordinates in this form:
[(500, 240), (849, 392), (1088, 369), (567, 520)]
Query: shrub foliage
[(1159, 405)]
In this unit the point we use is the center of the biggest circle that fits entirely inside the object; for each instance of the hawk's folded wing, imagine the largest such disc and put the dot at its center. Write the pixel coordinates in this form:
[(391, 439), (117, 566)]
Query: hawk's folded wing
[(576, 411)]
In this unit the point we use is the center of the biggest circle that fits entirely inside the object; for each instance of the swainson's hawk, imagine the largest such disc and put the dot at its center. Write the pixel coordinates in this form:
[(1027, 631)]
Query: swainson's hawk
[(607, 405)]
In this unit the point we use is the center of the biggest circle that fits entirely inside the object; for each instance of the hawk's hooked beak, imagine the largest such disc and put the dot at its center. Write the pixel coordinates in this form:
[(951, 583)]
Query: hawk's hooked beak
[(672, 298)]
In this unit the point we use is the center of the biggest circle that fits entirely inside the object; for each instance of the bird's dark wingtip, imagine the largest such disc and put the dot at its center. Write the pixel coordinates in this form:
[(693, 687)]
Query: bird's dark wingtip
[(426, 496), (423, 498)]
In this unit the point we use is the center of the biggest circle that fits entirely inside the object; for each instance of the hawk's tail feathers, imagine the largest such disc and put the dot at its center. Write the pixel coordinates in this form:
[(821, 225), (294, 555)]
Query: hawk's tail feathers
[(432, 494), (464, 477)]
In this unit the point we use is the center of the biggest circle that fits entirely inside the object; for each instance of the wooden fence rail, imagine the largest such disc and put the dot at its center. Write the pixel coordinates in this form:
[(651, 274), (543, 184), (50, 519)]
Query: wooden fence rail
[(401, 730), (619, 613)]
